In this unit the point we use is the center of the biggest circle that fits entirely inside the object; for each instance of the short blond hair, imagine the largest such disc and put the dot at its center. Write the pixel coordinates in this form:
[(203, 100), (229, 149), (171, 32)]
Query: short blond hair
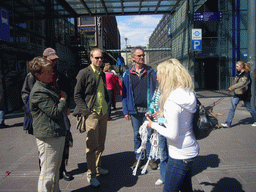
[(95, 49), (36, 64)]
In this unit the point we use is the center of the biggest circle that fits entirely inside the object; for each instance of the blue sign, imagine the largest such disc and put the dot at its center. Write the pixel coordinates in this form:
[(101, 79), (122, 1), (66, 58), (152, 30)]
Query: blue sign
[(208, 16), (197, 45), (169, 32), (4, 25)]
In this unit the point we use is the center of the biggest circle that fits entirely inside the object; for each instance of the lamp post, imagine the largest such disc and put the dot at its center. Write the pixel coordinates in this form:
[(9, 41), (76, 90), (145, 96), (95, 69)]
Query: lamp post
[(126, 50)]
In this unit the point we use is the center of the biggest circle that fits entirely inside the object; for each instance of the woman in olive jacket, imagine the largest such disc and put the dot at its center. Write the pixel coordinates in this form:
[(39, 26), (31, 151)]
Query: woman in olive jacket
[(47, 106), (242, 91)]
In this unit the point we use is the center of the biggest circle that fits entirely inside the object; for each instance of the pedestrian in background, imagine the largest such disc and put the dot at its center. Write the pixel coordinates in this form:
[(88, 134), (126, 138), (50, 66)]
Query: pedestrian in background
[(177, 103), (115, 88), (96, 119), (139, 84), (242, 91), (112, 85), (2, 107), (48, 107)]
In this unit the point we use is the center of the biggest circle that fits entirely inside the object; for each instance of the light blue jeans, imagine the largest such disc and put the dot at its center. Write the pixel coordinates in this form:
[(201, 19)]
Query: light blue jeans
[(231, 112), (137, 121), (163, 151)]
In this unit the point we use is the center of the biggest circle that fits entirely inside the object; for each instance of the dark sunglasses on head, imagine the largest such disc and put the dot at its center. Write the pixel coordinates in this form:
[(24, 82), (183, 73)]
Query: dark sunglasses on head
[(143, 55), (98, 58)]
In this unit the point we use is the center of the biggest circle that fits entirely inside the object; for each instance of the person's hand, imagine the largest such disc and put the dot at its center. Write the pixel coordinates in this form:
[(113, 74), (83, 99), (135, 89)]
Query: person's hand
[(127, 117), (149, 122), (63, 95), (229, 91), (156, 114)]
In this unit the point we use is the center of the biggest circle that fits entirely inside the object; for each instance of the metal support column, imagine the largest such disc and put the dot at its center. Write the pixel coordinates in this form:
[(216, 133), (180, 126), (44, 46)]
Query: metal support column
[(49, 22), (251, 44)]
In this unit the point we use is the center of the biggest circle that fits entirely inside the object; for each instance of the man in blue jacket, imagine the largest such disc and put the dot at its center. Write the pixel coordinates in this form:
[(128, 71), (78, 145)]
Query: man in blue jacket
[(139, 83)]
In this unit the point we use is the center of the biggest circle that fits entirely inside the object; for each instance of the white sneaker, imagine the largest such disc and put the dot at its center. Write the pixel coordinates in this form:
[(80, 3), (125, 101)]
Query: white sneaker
[(159, 182), (254, 124), (226, 125), (94, 182), (103, 171)]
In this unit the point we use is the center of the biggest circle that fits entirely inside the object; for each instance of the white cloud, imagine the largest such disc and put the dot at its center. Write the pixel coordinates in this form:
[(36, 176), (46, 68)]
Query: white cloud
[(137, 28)]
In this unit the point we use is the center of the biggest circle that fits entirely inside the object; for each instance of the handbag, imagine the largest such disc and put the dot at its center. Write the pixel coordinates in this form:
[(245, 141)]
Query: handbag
[(81, 119), (203, 122)]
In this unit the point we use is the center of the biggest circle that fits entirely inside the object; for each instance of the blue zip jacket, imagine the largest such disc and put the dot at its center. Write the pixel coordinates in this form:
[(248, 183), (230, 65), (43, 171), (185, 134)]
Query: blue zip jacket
[(128, 99)]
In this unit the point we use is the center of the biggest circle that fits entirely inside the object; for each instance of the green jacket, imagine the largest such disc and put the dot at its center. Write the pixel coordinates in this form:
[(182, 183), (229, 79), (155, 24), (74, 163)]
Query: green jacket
[(47, 111)]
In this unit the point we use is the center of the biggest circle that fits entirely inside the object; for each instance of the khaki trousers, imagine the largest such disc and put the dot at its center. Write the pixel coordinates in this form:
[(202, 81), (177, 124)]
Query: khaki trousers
[(96, 128), (50, 155)]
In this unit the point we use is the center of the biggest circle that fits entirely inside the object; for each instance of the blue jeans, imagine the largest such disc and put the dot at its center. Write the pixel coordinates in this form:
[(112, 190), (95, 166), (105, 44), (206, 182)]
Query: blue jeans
[(2, 112), (137, 121), (2, 117), (163, 151), (231, 112), (178, 175)]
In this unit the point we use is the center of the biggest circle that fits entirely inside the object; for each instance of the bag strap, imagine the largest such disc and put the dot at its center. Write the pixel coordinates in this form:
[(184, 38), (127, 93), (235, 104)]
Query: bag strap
[(91, 101)]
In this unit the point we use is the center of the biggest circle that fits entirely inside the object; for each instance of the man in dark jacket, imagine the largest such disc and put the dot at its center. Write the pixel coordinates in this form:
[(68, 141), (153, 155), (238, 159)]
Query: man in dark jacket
[(139, 83), (96, 114)]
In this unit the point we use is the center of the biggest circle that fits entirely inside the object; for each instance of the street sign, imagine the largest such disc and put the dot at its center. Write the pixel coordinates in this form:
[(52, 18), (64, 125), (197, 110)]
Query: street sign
[(197, 45), (197, 39), (4, 25)]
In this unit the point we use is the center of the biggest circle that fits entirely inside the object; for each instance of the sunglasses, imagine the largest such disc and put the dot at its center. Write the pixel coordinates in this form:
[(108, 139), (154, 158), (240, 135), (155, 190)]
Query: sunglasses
[(98, 58), (143, 55)]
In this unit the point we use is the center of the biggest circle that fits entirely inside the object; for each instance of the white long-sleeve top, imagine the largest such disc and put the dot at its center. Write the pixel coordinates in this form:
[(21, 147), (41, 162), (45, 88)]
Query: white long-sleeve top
[(178, 111)]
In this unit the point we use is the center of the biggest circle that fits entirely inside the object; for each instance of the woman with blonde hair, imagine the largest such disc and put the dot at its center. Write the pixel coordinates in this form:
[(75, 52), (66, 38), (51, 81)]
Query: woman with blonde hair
[(242, 91), (177, 103)]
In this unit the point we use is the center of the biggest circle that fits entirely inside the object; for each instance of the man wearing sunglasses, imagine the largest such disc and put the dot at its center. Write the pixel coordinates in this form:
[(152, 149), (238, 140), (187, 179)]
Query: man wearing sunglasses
[(139, 83), (91, 83)]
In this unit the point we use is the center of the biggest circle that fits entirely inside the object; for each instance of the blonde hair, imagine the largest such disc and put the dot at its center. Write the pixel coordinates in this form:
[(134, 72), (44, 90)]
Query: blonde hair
[(245, 66), (107, 67), (172, 75)]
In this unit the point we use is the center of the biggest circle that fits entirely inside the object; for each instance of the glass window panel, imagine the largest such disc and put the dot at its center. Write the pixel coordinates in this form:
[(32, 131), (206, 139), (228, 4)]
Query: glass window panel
[(131, 9), (164, 9), (131, 4), (168, 3), (93, 5), (116, 10), (149, 3), (109, 5), (73, 1)]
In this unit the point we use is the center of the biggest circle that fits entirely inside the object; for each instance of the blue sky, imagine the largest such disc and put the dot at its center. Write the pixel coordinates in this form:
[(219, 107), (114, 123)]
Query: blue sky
[(137, 28)]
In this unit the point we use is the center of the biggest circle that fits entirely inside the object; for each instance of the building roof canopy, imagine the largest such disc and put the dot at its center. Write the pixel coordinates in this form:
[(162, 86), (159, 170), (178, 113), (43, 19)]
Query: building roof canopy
[(77, 8)]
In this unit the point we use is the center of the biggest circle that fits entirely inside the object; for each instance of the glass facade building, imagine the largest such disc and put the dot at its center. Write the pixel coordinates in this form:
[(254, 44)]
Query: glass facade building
[(224, 40)]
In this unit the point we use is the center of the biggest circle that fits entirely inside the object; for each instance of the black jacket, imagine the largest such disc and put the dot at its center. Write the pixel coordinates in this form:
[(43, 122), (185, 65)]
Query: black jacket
[(85, 88)]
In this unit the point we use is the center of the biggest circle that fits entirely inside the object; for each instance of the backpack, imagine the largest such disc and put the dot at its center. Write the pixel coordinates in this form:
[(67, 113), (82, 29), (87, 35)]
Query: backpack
[(203, 122), (27, 124)]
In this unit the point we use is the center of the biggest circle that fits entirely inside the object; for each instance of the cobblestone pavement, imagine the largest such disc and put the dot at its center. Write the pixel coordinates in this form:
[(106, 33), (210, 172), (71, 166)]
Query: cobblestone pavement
[(227, 159)]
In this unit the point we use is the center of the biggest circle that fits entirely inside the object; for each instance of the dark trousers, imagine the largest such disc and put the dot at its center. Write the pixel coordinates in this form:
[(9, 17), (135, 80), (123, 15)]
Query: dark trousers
[(110, 102)]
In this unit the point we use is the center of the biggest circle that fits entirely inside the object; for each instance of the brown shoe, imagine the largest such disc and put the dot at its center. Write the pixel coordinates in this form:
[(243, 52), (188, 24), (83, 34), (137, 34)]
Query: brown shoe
[(153, 164)]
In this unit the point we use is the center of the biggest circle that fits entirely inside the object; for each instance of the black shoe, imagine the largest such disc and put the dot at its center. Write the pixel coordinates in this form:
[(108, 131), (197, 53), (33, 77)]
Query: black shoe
[(3, 125), (66, 176)]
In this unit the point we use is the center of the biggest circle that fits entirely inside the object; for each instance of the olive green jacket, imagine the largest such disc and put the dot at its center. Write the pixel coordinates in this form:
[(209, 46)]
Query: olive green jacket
[(47, 111)]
